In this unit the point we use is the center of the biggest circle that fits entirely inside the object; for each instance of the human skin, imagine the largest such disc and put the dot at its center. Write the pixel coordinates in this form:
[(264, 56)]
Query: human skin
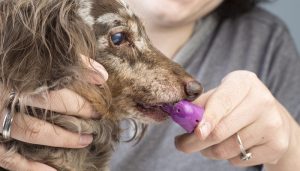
[(266, 128), (44, 133), (219, 140), (169, 23)]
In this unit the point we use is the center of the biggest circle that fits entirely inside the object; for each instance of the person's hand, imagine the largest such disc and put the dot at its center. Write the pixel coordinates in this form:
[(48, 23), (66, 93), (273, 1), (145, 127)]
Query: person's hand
[(242, 104), (43, 133)]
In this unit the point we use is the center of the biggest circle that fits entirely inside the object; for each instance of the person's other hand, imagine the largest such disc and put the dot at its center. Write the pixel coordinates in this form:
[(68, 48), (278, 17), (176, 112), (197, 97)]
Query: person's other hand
[(242, 104), (43, 133)]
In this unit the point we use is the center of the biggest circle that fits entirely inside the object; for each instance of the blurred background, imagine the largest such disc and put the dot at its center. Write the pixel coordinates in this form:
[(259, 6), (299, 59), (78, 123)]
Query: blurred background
[(288, 11)]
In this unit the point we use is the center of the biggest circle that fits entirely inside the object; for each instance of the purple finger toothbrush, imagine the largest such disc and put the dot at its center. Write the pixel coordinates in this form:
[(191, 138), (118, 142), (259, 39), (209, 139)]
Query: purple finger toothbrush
[(185, 113)]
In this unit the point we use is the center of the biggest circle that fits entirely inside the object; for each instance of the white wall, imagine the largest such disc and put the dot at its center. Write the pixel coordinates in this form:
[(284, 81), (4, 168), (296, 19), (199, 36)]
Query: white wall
[(288, 11)]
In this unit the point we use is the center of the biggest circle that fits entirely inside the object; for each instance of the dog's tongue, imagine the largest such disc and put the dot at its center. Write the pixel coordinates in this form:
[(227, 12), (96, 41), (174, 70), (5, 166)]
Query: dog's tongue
[(185, 113)]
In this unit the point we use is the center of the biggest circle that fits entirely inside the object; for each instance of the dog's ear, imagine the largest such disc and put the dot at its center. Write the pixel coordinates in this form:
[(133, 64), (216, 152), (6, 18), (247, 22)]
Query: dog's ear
[(40, 47), (41, 42)]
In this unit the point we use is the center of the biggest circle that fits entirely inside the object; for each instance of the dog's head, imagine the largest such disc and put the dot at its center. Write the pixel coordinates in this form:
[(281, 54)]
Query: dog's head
[(41, 43), (141, 79)]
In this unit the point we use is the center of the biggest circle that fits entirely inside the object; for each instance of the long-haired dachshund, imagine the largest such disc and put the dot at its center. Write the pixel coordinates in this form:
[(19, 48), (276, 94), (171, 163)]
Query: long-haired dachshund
[(41, 48)]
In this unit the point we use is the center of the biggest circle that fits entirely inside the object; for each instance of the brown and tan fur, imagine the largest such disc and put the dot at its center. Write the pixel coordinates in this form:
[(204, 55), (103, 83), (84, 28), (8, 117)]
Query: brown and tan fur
[(40, 46)]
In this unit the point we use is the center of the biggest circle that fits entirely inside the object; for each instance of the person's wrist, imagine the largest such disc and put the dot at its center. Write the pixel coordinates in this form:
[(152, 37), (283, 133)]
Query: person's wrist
[(290, 159)]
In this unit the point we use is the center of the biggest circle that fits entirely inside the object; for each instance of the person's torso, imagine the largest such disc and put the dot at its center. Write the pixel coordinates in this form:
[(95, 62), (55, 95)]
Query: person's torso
[(247, 43)]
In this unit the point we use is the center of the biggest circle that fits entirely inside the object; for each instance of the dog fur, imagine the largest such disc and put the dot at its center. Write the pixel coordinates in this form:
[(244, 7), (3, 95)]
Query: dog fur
[(41, 42)]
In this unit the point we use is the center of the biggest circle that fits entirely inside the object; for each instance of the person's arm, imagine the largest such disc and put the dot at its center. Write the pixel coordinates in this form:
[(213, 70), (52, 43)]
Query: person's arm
[(284, 81), (266, 118), (290, 160), (242, 104), (43, 133)]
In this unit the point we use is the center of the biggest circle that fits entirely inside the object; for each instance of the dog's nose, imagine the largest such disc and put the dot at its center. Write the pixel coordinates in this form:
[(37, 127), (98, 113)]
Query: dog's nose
[(193, 89)]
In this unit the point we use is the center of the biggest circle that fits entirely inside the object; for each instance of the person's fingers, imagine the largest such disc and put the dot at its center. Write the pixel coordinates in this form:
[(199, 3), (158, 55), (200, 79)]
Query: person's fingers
[(202, 99), (187, 143), (220, 109), (258, 157), (64, 101), (275, 140), (16, 162), (98, 68), (241, 116), (232, 91), (68, 102), (246, 120), (34, 131), (250, 136)]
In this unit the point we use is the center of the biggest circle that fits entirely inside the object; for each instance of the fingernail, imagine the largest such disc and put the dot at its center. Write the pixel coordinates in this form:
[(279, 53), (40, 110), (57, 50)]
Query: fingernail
[(205, 129), (100, 69), (85, 140)]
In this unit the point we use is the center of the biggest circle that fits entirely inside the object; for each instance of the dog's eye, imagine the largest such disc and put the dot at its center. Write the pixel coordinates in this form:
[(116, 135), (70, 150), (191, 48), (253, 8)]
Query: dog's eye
[(118, 38)]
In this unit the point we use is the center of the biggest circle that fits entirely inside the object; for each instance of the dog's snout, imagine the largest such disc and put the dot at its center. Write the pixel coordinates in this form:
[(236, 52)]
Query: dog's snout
[(193, 89)]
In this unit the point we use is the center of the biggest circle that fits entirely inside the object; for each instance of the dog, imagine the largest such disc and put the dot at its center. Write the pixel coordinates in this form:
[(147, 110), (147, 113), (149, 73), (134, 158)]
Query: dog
[(42, 42)]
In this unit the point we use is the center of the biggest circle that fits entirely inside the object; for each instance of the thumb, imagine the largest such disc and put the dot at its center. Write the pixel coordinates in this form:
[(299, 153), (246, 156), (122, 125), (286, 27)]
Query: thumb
[(201, 101)]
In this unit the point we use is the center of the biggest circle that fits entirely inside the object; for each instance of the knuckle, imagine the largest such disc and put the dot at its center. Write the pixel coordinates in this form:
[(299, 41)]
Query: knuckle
[(243, 80), (274, 123), (64, 144), (250, 75), (67, 143), (64, 138), (187, 144), (247, 74), (33, 130), (32, 124), (217, 135), (220, 152), (274, 161), (234, 162), (267, 100), (6, 162), (243, 74), (224, 103), (181, 147), (185, 150), (248, 137), (281, 145)]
